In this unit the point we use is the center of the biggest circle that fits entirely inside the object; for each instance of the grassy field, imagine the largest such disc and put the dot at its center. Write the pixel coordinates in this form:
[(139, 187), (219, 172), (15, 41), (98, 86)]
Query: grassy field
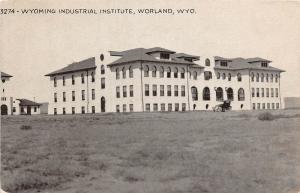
[(191, 152)]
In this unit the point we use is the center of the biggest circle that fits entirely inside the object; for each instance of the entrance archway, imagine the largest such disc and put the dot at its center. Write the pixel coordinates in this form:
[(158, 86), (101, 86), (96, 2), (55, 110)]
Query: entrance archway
[(4, 110), (102, 104)]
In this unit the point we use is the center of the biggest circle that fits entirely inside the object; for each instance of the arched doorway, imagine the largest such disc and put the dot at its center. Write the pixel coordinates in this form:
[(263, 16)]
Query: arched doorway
[(4, 110), (102, 104)]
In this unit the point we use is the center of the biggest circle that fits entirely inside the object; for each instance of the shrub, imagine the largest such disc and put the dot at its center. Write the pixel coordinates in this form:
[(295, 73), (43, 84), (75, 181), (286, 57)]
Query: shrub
[(266, 116), (25, 127)]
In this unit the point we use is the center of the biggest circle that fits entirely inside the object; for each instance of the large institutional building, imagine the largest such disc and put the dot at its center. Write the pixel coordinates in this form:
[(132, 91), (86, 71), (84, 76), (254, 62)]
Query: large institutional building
[(158, 79)]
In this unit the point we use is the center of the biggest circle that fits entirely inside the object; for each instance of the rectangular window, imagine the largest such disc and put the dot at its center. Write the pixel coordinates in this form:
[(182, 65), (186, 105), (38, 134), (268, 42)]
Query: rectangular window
[(102, 83), (148, 107), (155, 107), (276, 92), (168, 73), (55, 111), (253, 92), (64, 81), (182, 74), (55, 82), (124, 107), (253, 106), (162, 90), (268, 105), (169, 91), (35, 109), (130, 72), (64, 96), (262, 92), (207, 75), (146, 89), (73, 110), (277, 105), (272, 92), (83, 95), (176, 74), (257, 92), (73, 80), (154, 90), (14, 109), (258, 106), (82, 110), (93, 94), (263, 105), (182, 90), (73, 95), (64, 111), (223, 63), (267, 92), (131, 107), (131, 90), (93, 77), (118, 92), (162, 107), (124, 91), (273, 106), (117, 108), (55, 97), (176, 90), (164, 56), (169, 106), (183, 107), (176, 106), (82, 78)]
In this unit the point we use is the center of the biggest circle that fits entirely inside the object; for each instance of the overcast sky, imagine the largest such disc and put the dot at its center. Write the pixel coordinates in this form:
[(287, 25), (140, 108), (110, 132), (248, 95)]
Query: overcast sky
[(34, 45)]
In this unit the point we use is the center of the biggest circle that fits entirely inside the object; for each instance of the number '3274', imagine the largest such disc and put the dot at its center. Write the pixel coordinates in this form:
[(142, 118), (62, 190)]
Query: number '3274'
[(7, 11)]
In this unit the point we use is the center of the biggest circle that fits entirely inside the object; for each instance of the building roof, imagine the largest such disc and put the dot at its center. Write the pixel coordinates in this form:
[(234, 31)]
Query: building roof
[(3, 74), (142, 54), (183, 55), (26, 102), (257, 59), (76, 66), (242, 63)]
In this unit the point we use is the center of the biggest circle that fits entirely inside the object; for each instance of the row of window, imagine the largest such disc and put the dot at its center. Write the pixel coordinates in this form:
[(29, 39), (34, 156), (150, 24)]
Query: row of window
[(260, 106), (124, 108), (73, 96), (262, 77), (165, 107), (260, 92), (162, 90), (239, 76), (64, 111), (118, 95)]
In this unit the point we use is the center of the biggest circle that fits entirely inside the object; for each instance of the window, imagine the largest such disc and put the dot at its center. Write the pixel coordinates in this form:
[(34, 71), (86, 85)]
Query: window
[(146, 71), (130, 72), (268, 105), (93, 94), (161, 72), (82, 110), (258, 106), (101, 57), (64, 96), (253, 92), (194, 93), (257, 92), (230, 94), (147, 107), (277, 105), (206, 94), (262, 92), (124, 108), (64, 81), (93, 109), (176, 90), (35, 109), (219, 94), (267, 92), (264, 64), (169, 106), (154, 71), (262, 77), (239, 77), (155, 107), (253, 106), (263, 105), (276, 92), (117, 108), (164, 56), (267, 78), (207, 75), (146, 89), (229, 77), (272, 92), (257, 77), (118, 92), (207, 62), (102, 69), (73, 110), (195, 75), (241, 94), (124, 91), (55, 82), (169, 91), (102, 83), (83, 95), (154, 90), (218, 75), (252, 77), (55, 110), (168, 72), (276, 78), (93, 76), (73, 80), (273, 106), (182, 72), (82, 78), (224, 63), (162, 107), (123, 72), (131, 90), (175, 72), (14, 109), (55, 97), (183, 91), (176, 106), (162, 90), (117, 73), (271, 77), (183, 107), (223, 76), (131, 107)]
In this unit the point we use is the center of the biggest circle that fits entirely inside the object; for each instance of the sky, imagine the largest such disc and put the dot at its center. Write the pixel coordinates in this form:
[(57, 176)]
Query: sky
[(34, 45)]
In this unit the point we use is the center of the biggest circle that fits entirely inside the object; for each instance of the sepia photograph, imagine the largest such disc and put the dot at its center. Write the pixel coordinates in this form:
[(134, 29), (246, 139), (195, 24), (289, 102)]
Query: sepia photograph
[(160, 96)]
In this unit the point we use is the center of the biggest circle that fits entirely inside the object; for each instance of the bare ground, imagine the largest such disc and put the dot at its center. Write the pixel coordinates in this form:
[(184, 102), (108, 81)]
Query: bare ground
[(191, 152)]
